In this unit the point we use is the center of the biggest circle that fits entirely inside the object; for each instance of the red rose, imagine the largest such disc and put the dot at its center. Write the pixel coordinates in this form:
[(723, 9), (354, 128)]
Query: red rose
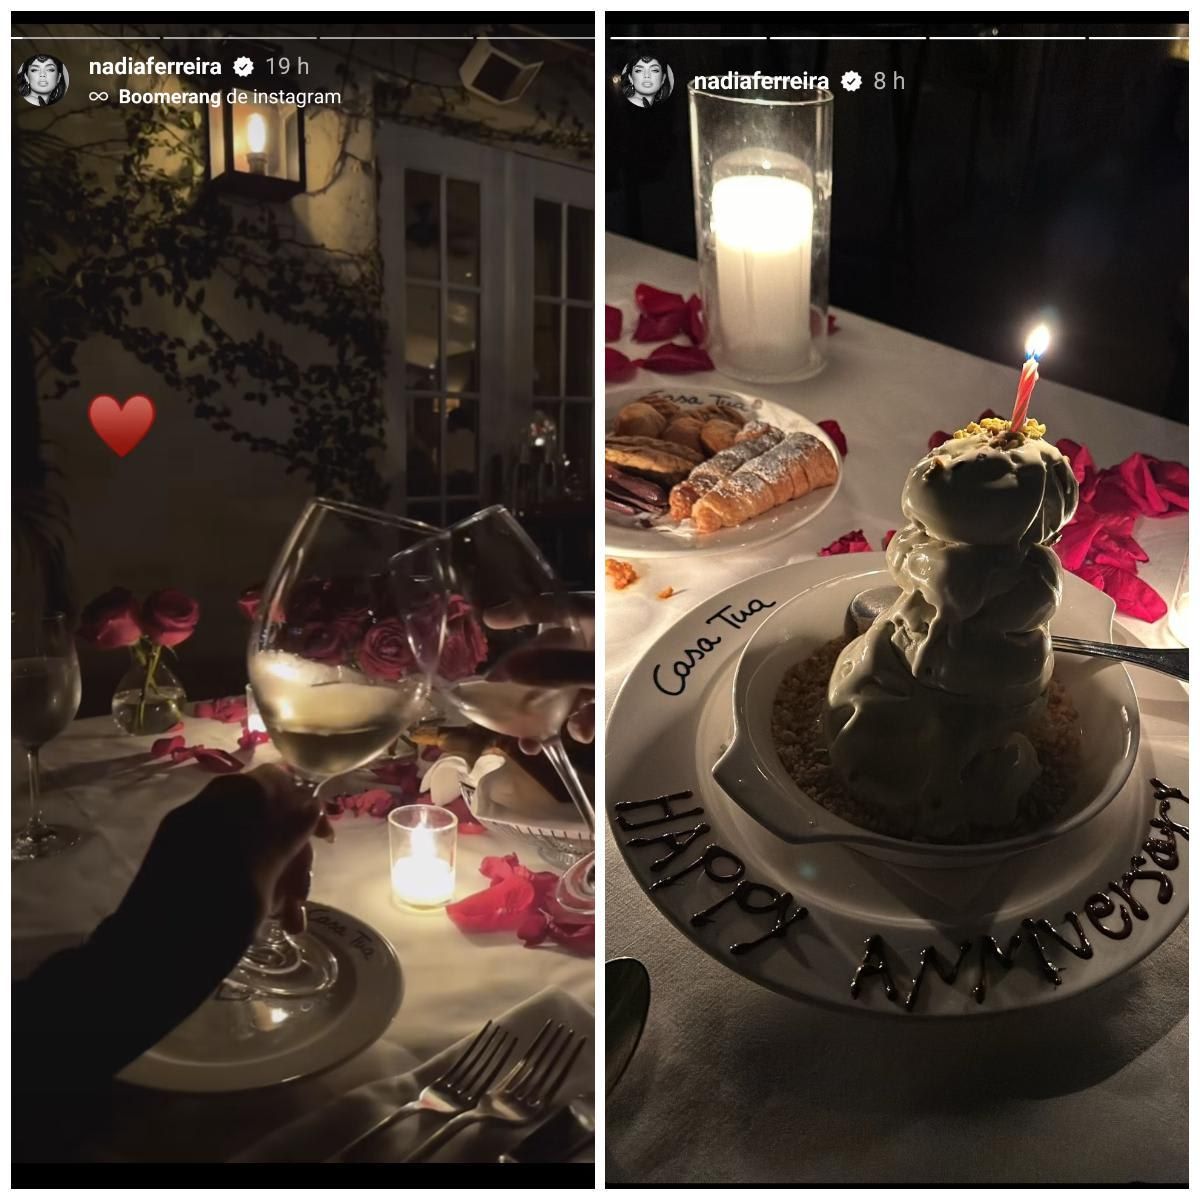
[(385, 652), (169, 617), (465, 646), (111, 620), (250, 600), (319, 641), (308, 602), (349, 600)]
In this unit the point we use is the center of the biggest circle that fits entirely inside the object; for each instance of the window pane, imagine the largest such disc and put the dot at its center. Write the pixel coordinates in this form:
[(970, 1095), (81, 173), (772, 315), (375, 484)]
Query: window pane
[(580, 253), (580, 336), (547, 248), (462, 445), (462, 231), (545, 349), (423, 338), (459, 510), (429, 511), (543, 434), (422, 228), (577, 451), (462, 342), (424, 447)]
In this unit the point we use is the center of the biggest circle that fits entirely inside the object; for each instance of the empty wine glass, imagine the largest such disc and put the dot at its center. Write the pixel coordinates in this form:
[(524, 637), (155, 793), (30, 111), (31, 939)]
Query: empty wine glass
[(340, 660), (45, 699), (505, 610)]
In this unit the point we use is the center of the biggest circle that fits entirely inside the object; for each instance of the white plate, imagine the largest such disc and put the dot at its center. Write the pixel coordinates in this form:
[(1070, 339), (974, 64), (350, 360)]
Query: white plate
[(233, 1044), (751, 772), (669, 726), (623, 536)]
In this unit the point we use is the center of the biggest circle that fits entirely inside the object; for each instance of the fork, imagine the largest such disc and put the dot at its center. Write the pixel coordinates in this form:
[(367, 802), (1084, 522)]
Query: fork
[(458, 1088), (524, 1092)]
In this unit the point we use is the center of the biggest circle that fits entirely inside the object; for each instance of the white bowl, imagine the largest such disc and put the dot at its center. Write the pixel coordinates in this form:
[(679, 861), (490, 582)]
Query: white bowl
[(508, 800), (751, 773)]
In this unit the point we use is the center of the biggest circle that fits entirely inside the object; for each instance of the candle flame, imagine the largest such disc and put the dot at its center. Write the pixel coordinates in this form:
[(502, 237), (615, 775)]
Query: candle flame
[(1036, 342), (256, 133), (423, 844)]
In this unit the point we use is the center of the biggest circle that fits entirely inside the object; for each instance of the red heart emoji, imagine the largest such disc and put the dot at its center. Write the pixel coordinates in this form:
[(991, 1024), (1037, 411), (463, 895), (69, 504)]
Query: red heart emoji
[(121, 426)]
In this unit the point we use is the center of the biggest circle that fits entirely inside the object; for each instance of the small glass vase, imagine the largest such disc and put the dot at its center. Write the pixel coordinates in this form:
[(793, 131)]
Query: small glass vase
[(149, 698)]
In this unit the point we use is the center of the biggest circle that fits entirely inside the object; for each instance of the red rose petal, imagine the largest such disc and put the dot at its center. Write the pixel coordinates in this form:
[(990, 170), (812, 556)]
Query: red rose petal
[(166, 745), (836, 435), (467, 824), (221, 762), (661, 328), (655, 301), (618, 368), (849, 543), (253, 737), (402, 773), (673, 359), (532, 930), (227, 709), (887, 538), (612, 323), (694, 321), (502, 906)]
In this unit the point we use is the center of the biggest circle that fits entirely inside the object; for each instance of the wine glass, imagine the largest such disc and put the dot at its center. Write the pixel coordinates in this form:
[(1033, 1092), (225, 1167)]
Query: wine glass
[(506, 610), (340, 659), (45, 699)]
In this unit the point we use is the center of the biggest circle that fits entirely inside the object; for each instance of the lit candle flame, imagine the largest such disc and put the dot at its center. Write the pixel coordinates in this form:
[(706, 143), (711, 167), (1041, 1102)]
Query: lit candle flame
[(1036, 342), (256, 133), (423, 844)]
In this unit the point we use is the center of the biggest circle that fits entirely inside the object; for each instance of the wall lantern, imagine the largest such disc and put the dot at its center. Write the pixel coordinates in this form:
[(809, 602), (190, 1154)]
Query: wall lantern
[(255, 149), (495, 74)]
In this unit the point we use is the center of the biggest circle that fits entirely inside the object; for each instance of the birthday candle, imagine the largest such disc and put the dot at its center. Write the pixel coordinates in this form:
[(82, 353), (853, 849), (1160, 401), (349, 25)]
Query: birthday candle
[(1035, 347)]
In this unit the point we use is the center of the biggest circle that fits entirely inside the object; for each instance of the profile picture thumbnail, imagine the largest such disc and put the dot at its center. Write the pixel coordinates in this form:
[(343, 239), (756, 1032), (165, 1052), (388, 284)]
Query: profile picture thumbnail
[(647, 81), (42, 80)]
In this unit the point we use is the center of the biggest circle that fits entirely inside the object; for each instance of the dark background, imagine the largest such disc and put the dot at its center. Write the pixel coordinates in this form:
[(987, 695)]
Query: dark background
[(1007, 179)]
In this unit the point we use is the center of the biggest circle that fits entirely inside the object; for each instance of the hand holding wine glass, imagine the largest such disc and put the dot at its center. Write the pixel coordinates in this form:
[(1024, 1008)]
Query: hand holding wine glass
[(340, 661), (520, 649)]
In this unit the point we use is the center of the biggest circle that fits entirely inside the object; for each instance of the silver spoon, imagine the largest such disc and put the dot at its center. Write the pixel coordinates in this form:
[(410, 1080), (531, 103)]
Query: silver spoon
[(627, 997), (867, 605)]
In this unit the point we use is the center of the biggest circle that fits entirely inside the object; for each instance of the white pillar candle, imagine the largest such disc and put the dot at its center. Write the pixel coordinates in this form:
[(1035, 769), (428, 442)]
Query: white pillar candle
[(762, 227)]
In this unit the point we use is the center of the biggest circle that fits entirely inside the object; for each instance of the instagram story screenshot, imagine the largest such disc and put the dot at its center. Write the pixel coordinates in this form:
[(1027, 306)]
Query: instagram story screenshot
[(897, 603), (302, 597)]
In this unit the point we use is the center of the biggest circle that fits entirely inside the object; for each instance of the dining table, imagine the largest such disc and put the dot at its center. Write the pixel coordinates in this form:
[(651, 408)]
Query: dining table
[(733, 1083), (107, 784)]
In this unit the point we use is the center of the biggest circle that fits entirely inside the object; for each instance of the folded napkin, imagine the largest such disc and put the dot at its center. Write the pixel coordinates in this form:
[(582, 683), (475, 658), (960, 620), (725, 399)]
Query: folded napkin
[(320, 1135), (445, 778)]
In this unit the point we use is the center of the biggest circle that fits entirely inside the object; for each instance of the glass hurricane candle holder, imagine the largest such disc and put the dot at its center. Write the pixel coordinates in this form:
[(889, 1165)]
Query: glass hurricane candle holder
[(254, 719), (762, 176), (423, 846)]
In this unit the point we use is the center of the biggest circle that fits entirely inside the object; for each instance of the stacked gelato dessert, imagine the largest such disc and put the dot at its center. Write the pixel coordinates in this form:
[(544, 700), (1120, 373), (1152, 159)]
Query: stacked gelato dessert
[(929, 713)]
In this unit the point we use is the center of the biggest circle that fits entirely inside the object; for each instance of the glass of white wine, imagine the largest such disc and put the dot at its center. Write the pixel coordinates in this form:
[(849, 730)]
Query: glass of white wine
[(341, 658), (513, 648), (45, 699)]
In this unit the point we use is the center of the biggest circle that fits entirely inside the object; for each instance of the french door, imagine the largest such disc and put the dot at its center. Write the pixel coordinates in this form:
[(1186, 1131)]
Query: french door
[(489, 283)]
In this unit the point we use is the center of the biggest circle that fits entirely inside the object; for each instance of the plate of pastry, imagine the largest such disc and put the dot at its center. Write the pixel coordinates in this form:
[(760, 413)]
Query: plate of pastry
[(706, 471)]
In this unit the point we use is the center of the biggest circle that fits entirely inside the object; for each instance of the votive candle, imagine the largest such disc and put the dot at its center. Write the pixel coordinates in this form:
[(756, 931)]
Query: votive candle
[(423, 846)]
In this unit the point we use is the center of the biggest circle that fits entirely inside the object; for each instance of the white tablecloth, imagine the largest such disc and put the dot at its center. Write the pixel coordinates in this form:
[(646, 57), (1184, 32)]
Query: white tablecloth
[(98, 779), (735, 1084)]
